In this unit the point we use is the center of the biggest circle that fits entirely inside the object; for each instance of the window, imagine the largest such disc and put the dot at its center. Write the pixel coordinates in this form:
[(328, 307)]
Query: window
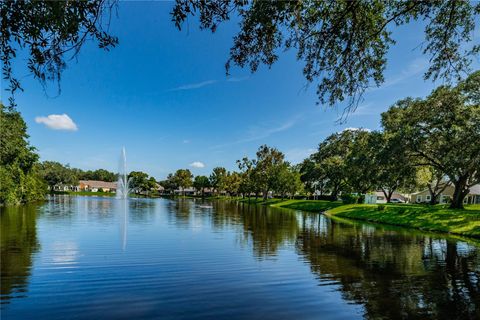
[(380, 198), (419, 198), (428, 198)]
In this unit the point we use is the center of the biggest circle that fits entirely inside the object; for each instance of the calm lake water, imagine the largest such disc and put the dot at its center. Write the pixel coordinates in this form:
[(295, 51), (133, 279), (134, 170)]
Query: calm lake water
[(92, 258)]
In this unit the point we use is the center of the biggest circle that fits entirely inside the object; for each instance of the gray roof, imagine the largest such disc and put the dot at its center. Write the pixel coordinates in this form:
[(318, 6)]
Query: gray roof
[(475, 189), (99, 184)]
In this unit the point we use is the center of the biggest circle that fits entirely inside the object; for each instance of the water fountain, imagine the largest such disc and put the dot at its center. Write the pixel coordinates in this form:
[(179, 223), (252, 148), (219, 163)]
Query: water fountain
[(123, 189), (123, 182)]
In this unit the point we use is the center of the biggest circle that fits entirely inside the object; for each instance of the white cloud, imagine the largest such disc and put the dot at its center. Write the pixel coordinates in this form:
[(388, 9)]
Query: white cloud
[(197, 164), (191, 86), (58, 122)]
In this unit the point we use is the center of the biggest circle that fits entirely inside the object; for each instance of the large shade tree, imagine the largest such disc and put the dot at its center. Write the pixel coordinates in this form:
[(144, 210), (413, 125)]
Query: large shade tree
[(183, 179), (20, 181), (200, 183), (55, 173), (443, 131)]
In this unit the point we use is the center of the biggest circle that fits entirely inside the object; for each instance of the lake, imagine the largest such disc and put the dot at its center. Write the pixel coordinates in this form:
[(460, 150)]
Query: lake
[(92, 258)]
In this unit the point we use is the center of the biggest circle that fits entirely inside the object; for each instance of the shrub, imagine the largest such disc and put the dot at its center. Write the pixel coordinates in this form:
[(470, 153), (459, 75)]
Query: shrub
[(100, 190), (361, 198), (348, 198), (381, 207)]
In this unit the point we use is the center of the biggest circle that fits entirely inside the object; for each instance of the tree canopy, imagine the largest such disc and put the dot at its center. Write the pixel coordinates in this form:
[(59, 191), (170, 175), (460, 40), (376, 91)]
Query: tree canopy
[(343, 44), (50, 33), (442, 131), (20, 181)]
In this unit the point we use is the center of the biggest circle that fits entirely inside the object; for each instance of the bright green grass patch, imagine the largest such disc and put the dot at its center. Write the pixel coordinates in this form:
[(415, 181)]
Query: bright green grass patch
[(308, 205), (432, 218), (303, 205)]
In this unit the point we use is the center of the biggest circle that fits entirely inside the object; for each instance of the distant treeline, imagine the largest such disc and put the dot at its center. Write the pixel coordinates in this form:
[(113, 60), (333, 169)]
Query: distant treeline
[(424, 144)]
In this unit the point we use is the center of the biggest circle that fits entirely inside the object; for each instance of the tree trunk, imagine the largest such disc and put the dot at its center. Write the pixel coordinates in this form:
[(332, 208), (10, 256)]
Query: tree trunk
[(459, 194), (265, 194)]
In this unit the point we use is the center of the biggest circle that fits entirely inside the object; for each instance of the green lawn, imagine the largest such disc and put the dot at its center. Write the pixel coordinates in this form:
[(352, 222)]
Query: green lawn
[(308, 205), (303, 205), (432, 218)]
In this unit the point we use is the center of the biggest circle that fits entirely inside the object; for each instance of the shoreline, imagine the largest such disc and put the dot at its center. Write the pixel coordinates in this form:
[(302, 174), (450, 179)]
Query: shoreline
[(438, 218)]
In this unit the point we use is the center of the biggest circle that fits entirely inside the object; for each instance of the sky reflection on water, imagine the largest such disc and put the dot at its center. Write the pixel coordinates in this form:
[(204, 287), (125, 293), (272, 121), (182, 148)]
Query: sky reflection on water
[(86, 258)]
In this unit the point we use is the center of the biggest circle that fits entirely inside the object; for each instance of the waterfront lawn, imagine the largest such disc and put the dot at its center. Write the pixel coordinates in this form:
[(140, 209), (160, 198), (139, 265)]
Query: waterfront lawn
[(303, 205), (308, 205), (432, 218)]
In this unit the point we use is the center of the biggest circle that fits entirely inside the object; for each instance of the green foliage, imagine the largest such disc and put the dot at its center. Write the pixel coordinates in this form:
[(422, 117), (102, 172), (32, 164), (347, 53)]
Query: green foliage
[(100, 174), (170, 184), (138, 181), (442, 131), (183, 178), (233, 180), (218, 178), (287, 181), (343, 44), (348, 198), (55, 173), (19, 175), (200, 183)]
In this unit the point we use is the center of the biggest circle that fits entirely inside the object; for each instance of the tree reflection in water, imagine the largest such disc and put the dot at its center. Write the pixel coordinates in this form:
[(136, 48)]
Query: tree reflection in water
[(18, 242), (395, 274)]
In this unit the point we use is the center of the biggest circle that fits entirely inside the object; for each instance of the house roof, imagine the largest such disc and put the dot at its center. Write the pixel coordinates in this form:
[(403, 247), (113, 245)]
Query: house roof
[(99, 184), (475, 189)]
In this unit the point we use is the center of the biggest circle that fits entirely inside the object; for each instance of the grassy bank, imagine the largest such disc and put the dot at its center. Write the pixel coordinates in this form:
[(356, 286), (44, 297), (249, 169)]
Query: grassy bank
[(431, 218), (424, 217), (303, 205)]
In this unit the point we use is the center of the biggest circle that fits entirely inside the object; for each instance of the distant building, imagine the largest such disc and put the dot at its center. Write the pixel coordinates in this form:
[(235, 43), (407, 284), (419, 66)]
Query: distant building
[(65, 187), (94, 186), (379, 197), (187, 191), (424, 196)]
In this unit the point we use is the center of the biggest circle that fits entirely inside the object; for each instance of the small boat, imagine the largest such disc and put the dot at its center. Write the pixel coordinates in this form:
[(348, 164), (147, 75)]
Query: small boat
[(206, 207)]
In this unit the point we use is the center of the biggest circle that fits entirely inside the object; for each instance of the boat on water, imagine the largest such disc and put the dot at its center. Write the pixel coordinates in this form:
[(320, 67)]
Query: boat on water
[(205, 206)]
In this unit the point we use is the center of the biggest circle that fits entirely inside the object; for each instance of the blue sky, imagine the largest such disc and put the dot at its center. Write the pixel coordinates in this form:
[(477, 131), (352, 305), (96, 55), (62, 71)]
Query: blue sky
[(164, 95)]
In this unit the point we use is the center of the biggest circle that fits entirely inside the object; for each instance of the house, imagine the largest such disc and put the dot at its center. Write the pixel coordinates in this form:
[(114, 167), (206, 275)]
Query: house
[(185, 192), (65, 187), (379, 197), (94, 186), (424, 196)]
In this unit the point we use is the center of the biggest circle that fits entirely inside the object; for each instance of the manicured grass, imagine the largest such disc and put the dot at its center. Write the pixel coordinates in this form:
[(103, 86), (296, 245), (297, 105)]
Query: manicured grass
[(432, 218), (308, 205), (303, 205)]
